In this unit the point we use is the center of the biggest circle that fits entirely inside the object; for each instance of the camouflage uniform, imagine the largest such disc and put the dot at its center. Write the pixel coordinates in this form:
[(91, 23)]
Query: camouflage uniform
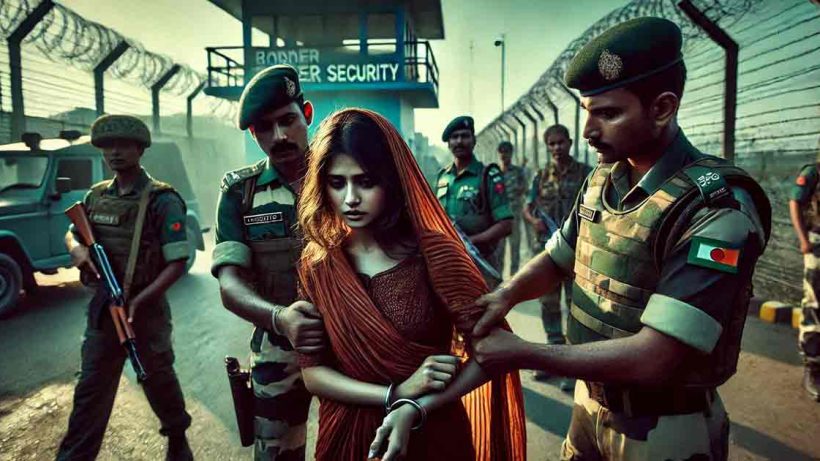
[(460, 195), (255, 230), (633, 266), (806, 192), (113, 218), (552, 193), (515, 181)]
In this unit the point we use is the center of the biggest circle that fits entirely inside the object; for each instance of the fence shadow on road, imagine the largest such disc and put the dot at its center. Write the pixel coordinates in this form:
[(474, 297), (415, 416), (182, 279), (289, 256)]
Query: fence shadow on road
[(764, 445)]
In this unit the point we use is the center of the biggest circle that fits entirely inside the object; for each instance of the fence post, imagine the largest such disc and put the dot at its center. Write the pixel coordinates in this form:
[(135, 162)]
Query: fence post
[(189, 116), (99, 72), (15, 42), (155, 88), (731, 48)]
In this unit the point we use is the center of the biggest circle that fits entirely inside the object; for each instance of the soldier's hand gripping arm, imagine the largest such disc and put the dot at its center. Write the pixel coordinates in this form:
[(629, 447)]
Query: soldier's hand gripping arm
[(540, 275), (300, 322)]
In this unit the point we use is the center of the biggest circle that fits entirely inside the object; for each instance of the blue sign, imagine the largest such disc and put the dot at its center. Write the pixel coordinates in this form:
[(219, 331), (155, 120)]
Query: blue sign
[(328, 65)]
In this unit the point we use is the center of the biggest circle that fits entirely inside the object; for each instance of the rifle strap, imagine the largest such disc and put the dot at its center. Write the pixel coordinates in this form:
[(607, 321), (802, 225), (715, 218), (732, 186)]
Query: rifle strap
[(135, 240)]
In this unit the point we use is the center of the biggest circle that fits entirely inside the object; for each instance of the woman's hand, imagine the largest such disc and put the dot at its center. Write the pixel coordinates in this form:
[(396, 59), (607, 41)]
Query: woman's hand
[(434, 374), (394, 433)]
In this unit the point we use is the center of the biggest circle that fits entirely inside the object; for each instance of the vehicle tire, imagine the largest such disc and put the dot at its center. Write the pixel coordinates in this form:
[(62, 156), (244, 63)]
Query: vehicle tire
[(189, 233), (11, 281)]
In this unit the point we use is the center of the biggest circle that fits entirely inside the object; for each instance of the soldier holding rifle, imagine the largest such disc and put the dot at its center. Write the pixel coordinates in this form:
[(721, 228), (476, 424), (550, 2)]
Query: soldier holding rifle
[(140, 223)]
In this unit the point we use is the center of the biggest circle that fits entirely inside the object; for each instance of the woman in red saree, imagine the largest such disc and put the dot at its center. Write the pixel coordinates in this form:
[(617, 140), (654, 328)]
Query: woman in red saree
[(396, 291)]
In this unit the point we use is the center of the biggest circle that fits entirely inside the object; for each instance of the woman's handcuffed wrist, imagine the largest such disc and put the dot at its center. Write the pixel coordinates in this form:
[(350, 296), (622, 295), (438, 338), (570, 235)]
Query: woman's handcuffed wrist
[(420, 409)]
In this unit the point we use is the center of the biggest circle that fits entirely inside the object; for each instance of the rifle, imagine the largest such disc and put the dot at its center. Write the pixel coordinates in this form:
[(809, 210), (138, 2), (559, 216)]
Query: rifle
[(242, 393), (78, 216), (548, 222), (485, 266)]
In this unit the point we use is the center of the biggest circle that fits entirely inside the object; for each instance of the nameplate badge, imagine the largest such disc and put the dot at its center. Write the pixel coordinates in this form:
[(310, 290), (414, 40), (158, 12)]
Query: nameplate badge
[(590, 214), (264, 218), (105, 219)]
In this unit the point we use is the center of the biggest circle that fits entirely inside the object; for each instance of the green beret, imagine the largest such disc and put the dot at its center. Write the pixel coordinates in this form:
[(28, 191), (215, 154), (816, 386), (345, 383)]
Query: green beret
[(462, 122), (270, 89), (505, 146), (626, 53), (112, 127)]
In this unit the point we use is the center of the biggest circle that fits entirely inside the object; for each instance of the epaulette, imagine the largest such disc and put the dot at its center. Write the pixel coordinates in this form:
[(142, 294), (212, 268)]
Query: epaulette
[(234, 177)]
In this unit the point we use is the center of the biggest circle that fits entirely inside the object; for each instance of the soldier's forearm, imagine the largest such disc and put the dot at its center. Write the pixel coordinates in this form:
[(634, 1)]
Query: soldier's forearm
[(239, 297), (645, 358), (495, 233), (167, 277), (538, 276), (796, 216)]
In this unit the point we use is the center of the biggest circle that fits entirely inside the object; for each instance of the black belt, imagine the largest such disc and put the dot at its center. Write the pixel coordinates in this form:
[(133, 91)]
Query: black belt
[(652, 402)]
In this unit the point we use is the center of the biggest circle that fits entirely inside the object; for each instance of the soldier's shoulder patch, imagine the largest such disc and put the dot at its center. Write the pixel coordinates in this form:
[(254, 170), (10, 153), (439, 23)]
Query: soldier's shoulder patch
[(235, 177), (714, 254), (801, 180), (711, 184)]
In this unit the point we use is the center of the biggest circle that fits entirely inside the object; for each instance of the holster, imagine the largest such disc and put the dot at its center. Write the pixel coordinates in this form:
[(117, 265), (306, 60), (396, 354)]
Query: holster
[(242, 393)]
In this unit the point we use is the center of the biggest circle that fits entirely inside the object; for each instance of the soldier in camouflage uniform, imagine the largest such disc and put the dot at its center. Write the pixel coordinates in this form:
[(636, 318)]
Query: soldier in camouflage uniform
[(474, 195), (661, 246), (113, 209), (804, 207), (256, 254), (515, 181), (552, 196)]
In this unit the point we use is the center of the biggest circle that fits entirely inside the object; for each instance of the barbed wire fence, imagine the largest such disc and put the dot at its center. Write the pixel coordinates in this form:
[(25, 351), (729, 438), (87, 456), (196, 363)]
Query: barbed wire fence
[(58, 59), (59, 56), (778, 100)]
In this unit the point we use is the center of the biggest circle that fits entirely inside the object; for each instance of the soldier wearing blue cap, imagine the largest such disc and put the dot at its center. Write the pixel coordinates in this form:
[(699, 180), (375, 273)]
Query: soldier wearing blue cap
[(661, 245), (257, 248), (474, 195)]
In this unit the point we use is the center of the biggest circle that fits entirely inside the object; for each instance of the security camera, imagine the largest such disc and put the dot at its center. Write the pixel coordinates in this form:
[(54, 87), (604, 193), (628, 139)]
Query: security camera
[(499, 41)]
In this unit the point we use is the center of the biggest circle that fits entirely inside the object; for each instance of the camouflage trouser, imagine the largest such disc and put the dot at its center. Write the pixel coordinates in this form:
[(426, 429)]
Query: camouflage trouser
[(281, 401), (514, 239), (809, 337), (552, 316), (596, 433)]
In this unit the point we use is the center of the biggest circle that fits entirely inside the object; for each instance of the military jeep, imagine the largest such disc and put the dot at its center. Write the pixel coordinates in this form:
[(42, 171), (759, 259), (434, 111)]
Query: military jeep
[(39, 179)]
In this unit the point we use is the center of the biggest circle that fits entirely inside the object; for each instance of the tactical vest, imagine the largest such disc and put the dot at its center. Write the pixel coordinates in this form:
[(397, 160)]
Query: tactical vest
[(556, 195), (274, 261), (618, 256), (812, 213), (113, 219)]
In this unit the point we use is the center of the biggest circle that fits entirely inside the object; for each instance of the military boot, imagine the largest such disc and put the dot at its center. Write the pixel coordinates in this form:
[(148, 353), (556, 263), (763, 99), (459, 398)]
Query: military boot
[(178, 449), (811, 381)]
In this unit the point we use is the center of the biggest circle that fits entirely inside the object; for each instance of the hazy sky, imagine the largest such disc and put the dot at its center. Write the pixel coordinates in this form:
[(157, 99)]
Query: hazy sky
[(536, 32)]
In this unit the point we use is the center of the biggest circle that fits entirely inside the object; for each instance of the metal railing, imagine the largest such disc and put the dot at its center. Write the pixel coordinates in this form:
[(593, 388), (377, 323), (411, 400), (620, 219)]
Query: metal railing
[(227, 67)]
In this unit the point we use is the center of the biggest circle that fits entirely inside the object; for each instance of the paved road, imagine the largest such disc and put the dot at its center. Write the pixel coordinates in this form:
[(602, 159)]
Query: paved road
[(40, 346)]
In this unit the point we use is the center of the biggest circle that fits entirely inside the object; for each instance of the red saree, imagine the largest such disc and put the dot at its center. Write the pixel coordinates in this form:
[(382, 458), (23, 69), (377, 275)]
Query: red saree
[(367, 347)]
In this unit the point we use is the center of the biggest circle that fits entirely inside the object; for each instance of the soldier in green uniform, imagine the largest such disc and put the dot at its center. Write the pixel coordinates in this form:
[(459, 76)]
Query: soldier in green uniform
[(550, 200), (661, 246), (474, 195), (515, 182), (256, 254), (804, 208), (113, 210)]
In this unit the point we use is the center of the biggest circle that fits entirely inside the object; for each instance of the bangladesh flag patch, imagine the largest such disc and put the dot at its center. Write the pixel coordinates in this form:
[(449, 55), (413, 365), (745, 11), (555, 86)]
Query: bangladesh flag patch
[(714, 254)]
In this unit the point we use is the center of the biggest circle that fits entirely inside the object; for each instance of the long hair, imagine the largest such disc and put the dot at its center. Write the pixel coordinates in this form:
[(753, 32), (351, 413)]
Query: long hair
[(359, 134)]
